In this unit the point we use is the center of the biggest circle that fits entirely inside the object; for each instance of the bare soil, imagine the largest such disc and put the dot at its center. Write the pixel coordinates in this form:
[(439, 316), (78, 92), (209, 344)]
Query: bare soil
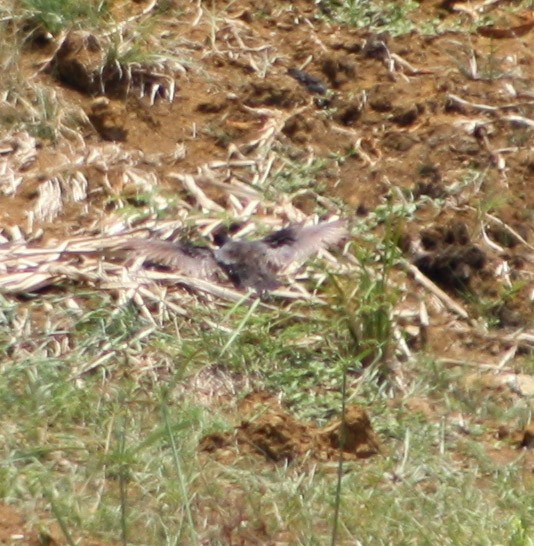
[(16, 529), (13, 528), (271, 431)]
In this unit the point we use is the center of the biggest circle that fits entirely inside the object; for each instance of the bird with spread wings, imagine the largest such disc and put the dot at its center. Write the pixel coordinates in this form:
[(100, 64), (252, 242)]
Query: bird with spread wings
[(246, 263)]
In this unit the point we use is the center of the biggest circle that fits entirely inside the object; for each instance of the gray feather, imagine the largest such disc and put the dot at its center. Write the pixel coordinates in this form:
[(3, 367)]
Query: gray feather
[(190, 260), (297, 243), (248, 264)]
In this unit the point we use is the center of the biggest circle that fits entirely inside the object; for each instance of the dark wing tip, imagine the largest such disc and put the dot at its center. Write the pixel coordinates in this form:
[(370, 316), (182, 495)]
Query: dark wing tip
[(223, 233), (282, 237), (298, 242)]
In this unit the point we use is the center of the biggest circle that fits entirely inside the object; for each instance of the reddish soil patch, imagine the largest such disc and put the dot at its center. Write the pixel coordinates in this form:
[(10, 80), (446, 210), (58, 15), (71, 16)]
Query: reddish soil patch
[(14, 530), (270, 431)]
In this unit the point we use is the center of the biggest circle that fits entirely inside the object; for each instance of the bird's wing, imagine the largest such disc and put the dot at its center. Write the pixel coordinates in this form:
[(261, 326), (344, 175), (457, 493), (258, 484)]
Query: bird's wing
[(188, 259), (297, 243)]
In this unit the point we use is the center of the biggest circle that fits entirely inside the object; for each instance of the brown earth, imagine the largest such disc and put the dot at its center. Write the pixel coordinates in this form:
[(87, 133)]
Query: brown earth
[(15, 530), (271, 431)]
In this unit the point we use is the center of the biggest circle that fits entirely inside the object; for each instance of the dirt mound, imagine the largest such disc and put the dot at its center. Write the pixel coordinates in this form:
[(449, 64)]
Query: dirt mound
[(83, 61), (273, 432)]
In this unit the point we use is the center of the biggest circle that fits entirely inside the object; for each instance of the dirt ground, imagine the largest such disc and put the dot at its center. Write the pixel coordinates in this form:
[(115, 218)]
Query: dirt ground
[(446, 119), (443, 119), (15, 529)]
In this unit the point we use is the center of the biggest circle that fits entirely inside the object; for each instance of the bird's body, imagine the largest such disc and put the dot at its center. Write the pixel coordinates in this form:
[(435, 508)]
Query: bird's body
[(248, 264)]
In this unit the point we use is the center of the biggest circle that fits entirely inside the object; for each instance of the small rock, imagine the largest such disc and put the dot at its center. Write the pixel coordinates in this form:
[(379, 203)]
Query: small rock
[(405, 115), (401, 142)]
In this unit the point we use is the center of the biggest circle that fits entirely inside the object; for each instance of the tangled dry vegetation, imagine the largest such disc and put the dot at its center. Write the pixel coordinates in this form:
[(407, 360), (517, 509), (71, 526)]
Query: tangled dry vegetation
[(169, 120)]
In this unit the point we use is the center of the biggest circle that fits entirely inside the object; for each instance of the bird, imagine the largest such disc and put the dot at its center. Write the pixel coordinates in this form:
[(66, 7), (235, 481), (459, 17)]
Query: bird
[(247, 264), (255, 264)]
